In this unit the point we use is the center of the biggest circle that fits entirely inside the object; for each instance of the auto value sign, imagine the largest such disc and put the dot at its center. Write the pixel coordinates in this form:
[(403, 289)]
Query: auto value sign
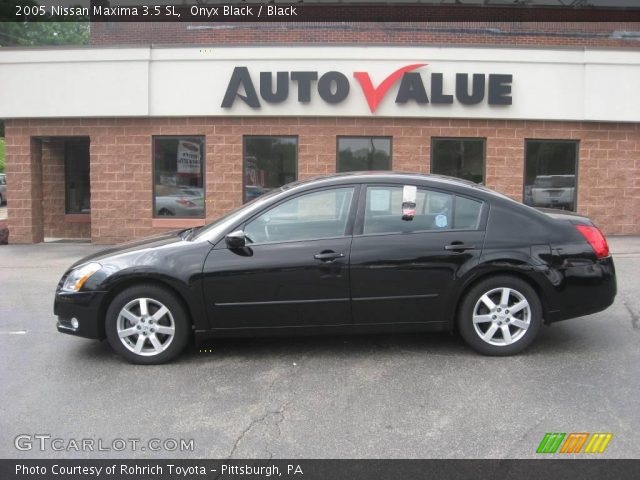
[(414, 85)]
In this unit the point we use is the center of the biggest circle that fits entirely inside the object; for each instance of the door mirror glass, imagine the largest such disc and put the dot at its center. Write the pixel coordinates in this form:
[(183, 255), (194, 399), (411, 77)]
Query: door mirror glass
[(236, 239)]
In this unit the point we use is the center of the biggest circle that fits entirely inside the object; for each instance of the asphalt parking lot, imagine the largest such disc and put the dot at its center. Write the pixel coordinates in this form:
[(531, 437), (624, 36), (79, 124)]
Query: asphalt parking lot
[(402, 396)]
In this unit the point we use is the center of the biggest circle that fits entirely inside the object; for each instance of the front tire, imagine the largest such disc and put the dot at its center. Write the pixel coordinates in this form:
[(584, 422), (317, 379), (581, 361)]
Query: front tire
[(500, 316), (147, 325)]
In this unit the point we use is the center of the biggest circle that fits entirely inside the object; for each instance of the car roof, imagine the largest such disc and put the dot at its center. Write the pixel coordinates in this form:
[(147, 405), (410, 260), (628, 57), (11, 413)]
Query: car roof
[(432, 180)]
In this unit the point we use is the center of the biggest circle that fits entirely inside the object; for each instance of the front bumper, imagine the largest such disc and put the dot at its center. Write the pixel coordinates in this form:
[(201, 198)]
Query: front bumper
[(83, 306)]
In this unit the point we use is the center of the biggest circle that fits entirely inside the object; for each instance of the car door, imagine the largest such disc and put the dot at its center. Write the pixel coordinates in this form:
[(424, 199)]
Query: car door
[(293, 270), (403, 271)]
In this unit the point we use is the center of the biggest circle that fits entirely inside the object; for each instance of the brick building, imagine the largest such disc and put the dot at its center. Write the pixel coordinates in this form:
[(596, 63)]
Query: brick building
[(162, 126)]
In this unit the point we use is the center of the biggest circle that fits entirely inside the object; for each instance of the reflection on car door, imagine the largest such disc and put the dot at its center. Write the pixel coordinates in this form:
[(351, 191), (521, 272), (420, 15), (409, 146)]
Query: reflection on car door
[(293, 273), (403, 271)]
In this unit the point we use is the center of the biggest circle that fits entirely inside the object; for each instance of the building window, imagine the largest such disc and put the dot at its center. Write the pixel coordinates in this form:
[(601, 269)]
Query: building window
[(364, 153), (269, 162), (458, 157), (550, 173), (178, 174), (76, 177)]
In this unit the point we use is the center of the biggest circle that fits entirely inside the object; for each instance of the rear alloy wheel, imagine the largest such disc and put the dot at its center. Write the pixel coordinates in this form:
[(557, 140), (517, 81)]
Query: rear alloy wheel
[(147, 325), (500, 316)]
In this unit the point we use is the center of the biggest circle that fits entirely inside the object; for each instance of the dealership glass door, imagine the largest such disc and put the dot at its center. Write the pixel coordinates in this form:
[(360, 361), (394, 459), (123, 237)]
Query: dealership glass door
[(76, 177)]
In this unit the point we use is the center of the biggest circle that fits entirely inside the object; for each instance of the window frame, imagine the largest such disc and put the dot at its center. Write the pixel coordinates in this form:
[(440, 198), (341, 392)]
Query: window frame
[(389, 137), (358, 229), (351, 216), (68, 141), (154, 216), (244, 158), (484, 155), (576, 142)]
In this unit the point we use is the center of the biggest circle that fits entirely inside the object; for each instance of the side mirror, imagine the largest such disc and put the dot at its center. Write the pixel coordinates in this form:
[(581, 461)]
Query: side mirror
[(236, 239)]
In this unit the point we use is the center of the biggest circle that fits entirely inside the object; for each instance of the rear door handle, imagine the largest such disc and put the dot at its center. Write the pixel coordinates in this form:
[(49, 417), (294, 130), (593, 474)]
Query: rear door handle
[(328, 256), (459, 247)]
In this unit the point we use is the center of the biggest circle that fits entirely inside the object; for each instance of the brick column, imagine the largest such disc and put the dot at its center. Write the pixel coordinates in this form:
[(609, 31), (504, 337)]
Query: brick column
[(24, 187)]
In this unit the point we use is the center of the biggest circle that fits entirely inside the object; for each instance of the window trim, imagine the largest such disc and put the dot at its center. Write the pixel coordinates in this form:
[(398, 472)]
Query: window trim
[(359, 225), (244, 158), (576, 142), (389, 137), (153, 177), (484, 154), (350, 217)]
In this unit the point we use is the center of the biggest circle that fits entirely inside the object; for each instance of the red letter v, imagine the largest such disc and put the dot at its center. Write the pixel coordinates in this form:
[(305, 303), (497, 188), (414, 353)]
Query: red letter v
[(375, 95)]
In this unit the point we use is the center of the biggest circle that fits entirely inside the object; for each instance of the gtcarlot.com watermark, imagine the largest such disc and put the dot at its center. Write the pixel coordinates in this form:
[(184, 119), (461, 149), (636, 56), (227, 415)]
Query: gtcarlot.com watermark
[(45, 442)]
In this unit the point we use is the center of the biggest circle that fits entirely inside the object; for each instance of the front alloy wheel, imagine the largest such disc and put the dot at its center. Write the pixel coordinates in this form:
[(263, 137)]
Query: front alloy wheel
[(147, 324), (500, 316)]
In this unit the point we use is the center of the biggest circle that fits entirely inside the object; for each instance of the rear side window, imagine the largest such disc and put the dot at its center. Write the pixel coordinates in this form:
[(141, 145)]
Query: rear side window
[(467, 214), (434, 211)]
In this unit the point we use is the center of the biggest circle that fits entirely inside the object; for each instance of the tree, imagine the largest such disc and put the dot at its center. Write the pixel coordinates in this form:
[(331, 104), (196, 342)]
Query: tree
[(1, 155), (33, 31), (33, 34)]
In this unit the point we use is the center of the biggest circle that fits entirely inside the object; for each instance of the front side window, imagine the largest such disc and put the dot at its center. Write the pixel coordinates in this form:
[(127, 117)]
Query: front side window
[(310, 216), (269, 162), (458, 157), (178, 174), (435, 211), (550, 174), (76, 173), (364, 153)]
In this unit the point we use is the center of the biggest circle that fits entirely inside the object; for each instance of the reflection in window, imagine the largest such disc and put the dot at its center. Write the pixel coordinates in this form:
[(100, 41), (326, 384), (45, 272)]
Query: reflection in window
[(178, 171), (269, 162), (314, 215), (550, 174), (364, 153), (458, 157), (76, 173)]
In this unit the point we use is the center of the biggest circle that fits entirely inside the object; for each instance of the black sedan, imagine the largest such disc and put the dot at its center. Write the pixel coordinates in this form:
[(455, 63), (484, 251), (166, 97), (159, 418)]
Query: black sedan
[(350, 253)]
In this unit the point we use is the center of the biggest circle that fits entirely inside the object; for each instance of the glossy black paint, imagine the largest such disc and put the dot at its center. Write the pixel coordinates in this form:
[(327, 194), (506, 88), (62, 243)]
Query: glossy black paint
[(355, 282)]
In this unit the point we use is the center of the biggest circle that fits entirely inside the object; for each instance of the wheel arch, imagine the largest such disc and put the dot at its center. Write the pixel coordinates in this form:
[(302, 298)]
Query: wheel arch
[(513, 270), (129, 282)]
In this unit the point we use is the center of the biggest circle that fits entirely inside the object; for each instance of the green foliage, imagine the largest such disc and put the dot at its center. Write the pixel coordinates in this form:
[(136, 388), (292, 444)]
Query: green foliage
[(22, 31), (1, 155), (33, 34)]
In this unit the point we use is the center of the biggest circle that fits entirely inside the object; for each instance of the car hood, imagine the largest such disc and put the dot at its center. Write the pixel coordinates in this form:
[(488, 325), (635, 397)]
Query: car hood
[(133, 246)]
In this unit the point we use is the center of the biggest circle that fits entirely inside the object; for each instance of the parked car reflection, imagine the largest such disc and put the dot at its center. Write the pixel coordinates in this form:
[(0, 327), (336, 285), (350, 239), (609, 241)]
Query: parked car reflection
[(180, 202), (557, 191)]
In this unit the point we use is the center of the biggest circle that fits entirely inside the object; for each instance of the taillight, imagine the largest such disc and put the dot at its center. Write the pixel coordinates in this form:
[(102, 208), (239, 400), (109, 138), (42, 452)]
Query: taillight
[(185, 202), (595, 238)]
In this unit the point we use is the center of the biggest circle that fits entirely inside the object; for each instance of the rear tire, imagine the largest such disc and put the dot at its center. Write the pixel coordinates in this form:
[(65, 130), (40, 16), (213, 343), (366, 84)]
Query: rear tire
[(500, 316), (147, 325)]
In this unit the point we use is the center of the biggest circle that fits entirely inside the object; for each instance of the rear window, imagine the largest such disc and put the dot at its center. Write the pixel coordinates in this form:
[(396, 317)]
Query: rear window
[(555, 182)]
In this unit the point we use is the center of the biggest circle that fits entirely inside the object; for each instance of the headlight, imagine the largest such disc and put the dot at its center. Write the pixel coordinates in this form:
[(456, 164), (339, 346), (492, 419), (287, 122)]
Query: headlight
[(76, 279)]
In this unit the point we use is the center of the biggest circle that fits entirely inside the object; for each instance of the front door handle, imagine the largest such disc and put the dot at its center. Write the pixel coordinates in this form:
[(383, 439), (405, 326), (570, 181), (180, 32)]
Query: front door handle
[(459, 247), (328, 256)]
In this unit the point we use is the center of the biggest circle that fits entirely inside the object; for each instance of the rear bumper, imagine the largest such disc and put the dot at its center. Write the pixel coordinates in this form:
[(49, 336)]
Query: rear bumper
[(585, 289), (85, 308)]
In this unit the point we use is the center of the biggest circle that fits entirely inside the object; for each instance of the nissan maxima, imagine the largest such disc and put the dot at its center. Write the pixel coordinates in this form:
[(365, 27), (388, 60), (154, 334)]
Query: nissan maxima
[(351, 253)]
